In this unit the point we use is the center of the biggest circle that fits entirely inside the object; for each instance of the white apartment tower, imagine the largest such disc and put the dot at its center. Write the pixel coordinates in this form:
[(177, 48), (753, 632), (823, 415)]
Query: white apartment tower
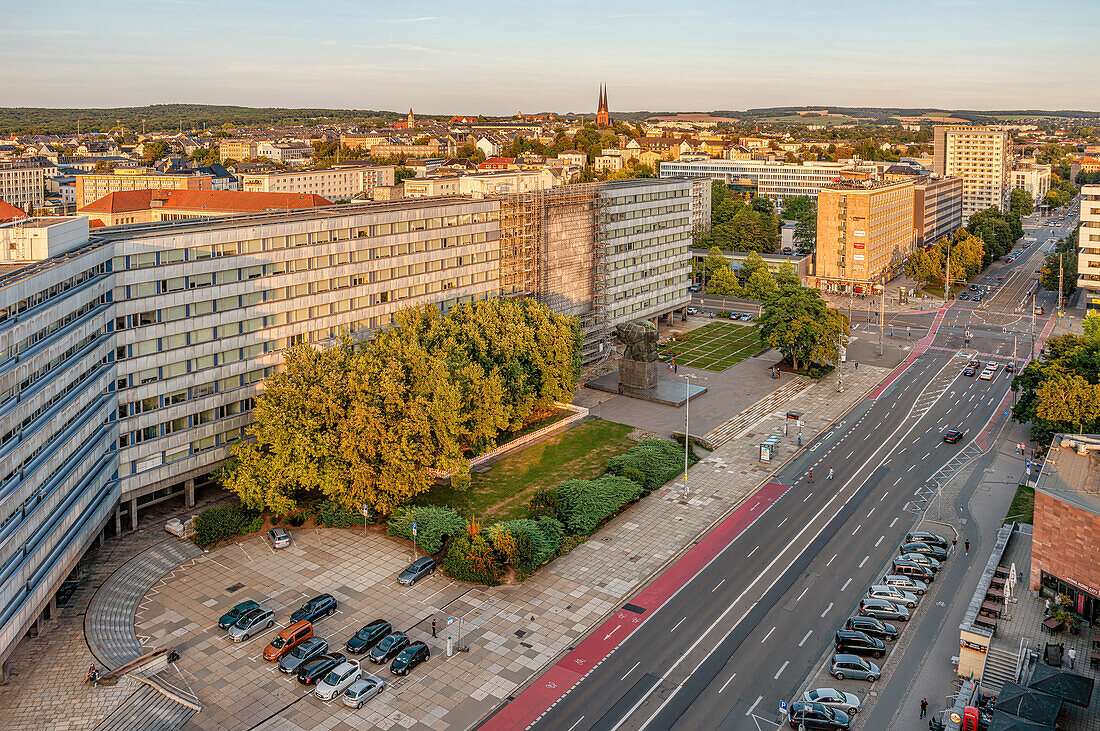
[(978, 155)]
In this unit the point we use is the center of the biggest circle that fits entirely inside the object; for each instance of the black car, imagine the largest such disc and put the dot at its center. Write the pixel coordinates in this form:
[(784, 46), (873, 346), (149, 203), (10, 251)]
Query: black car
[(924, 549), (914, 570), (923, 536), (230, 618), (416, 571), (969, 371), (311, 649), (318, 668), (872, 627), (952, 435), (817, 716), (390, 645), (409, 658), (1010, 367), (315, 608), (858, 643), (368, 637)]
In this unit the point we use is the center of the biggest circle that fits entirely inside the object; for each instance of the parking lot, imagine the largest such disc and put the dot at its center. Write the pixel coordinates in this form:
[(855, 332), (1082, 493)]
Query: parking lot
[(238, 687), (716, 346)]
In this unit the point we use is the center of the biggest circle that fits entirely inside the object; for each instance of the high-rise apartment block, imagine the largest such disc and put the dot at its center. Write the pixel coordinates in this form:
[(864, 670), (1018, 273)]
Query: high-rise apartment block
[(340, 182), (1088, 256), (22, 184), (864, 233), (93, 186), (981, 157), (937, 208)]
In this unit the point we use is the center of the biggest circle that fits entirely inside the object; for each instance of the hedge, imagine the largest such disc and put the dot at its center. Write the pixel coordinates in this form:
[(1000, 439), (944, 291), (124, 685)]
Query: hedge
[(654, 461), (220, 523), (587, 503), (537, 541), (337, 516), (434, 524), (473, 559)]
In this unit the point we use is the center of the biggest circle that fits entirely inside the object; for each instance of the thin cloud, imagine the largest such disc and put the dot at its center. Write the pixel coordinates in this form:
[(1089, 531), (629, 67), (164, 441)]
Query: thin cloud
[(424, 19)]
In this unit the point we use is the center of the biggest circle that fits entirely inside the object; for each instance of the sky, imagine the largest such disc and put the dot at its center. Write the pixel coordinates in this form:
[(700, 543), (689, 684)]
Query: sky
[(506, 56)]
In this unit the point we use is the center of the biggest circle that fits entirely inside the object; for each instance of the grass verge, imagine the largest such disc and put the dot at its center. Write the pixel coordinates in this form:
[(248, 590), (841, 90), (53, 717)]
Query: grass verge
[(1022, 509)]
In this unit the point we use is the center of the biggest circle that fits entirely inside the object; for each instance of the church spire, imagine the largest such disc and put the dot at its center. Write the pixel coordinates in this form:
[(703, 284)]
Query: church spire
[(603, 116)]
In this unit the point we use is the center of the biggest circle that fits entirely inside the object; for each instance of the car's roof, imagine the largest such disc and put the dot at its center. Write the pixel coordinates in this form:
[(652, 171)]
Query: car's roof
[(422, 561)]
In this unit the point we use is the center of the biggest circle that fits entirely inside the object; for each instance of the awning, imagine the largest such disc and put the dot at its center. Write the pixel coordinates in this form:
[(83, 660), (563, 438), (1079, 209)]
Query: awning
[(1070, 687), (1028, 703), (1007, 722)]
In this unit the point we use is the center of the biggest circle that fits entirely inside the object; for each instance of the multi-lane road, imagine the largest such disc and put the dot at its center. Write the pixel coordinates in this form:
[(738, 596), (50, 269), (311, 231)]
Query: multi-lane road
[(751, 626)]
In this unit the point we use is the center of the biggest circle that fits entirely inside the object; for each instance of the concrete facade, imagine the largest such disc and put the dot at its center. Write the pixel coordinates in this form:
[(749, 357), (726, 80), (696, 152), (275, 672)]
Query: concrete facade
[(774, 180), (937, 208), (1088, 257), (93, 186), (1035, 179), (701, 207), (981, 157), (23, 185), (336, 183)]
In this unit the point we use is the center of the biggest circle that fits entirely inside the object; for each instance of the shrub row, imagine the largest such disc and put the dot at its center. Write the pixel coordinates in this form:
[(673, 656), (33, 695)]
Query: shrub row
[(434, 525), (484, 556), (220, 523), (337, 516)]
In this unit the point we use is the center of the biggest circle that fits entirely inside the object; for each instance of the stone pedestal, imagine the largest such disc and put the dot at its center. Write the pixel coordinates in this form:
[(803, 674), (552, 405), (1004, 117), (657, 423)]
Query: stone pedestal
[(638, 375)]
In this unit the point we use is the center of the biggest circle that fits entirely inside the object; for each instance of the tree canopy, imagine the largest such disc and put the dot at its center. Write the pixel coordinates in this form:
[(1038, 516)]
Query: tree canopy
[(739, 226), (998, 231), (1061, 392), (797, 322), (1065, 255), (1020, 203), (369, 423)]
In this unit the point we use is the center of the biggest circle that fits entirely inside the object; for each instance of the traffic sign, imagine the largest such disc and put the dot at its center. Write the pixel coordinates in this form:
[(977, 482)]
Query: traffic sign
[(782, 707), (414, 529)]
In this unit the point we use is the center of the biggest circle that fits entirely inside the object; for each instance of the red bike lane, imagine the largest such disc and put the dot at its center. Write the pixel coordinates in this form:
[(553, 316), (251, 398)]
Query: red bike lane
[(552, 685)]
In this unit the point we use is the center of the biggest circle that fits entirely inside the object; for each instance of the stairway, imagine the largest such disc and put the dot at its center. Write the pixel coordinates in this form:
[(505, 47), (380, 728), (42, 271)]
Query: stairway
[(745, 420), (1000, 665)]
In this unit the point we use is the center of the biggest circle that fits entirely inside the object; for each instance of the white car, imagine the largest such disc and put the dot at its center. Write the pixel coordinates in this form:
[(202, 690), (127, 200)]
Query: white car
[(338, 679), (835, 699), (693, 310), (987, 375), (363, 690), (892, 594)]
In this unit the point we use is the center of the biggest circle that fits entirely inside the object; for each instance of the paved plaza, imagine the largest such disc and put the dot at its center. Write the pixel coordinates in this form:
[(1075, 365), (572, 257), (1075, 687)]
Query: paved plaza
[(716, 346)]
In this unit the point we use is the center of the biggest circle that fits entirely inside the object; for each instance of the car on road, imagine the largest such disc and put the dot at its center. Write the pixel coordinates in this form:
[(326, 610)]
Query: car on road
[(854, 667), (817, 716), (316, 669), (230, 618), (992, 366), (693, 310), (280, 537), (969, 371), (858, 643), (317, 607), (905, 583), (926, 549), (973, 288), (416, 571), (882, 609), (1010, 367), (893, 594), (913, 570), (873, 627), (735, 315), (363, 690), (952, 435), (835, 699), (987, 375), (1039, 310), (302, 654), (338, 680), (287, 640), (924, 536), (921, 560), (409, 658), (390, 645), (256, 620), (368, 636), (746, 316), (978, 297), (964, 296)]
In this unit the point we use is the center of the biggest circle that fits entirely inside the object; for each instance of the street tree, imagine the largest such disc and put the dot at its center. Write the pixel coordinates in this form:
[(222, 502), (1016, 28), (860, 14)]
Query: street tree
[(760, 285), (1020, 203), (805, 233), (925, 266), (724, 284), (715, 261), (967, 254), (795, 207)]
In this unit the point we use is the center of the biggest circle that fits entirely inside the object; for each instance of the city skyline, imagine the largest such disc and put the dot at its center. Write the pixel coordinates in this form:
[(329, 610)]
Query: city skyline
[(501, 58)]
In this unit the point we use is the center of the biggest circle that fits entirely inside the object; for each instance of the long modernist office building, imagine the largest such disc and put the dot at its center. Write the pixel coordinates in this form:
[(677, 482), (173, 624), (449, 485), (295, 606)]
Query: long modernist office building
[(774, 180)]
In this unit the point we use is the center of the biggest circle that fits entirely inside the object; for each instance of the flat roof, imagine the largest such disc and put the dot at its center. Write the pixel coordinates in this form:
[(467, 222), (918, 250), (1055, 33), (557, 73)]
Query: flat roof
[(1070, 476)]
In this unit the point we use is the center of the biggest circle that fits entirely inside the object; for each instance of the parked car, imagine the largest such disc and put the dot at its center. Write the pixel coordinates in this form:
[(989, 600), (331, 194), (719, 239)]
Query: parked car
[(924, 536), (693, 288), (892, 594), (409, 658), (856, 668), (922, 560), (693, 310), (363, 690), (746, 316), (317, 607), (858, 643), (953, 435), (368, 636), (913, 570), (735, 315), (833, 698), (817, 716), (287, 640), (416, 571), (319, 667), (256, 620), (923, 548), (230, 618), (338, 680), (882, 609), (302, 654), (280, 537), (390, 645), (905, 583), (873, 627)]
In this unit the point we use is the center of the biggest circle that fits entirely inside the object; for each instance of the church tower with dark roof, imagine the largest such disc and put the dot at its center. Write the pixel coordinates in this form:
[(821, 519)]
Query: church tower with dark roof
[(603, 117)]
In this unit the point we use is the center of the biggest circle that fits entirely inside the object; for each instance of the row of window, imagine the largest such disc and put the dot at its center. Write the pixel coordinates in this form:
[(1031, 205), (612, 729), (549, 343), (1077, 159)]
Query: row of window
[(45, 405), (35, 338), (47, 294), (644, 197), (189, 421), (48, 367)]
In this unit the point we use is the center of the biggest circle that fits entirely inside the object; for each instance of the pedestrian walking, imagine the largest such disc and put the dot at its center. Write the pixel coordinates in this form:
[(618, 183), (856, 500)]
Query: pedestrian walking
[(1071, 655), (857, 365), (923, 707), (830, 473), (966, 546), (954, 544), (811, 477), (675, 367), (620, 389), (433, 626)]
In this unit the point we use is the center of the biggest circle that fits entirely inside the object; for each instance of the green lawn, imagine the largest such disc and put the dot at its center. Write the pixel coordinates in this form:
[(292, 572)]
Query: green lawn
[(716, 346), (502, 492), (1023, 505)]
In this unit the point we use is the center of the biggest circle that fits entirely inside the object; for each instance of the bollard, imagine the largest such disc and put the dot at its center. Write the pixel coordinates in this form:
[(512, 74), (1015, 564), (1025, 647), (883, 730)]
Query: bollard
[(450, 647)]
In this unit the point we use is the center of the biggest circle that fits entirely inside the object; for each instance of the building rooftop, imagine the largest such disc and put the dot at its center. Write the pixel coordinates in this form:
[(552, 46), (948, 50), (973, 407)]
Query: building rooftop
[(1071, 472), (215, 201), (865, 184)]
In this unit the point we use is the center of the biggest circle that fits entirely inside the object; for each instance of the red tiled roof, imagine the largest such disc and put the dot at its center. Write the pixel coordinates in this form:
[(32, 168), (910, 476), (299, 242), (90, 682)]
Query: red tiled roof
[(215, 201), (8, 212)]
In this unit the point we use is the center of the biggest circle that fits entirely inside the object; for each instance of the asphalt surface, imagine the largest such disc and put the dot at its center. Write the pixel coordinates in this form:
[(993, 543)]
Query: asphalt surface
[(748, 630)]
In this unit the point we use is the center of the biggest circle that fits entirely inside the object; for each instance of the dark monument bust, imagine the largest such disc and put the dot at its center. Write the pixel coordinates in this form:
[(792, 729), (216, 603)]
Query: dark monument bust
[(638, 368)]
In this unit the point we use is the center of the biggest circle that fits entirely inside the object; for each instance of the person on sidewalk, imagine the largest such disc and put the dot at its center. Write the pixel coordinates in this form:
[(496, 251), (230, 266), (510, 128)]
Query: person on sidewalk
[(433, 626), (923, 707), (1071, 655), (966, 546)]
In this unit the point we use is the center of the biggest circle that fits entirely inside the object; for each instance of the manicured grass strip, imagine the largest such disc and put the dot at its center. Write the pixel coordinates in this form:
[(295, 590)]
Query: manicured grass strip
[(1022, 509)]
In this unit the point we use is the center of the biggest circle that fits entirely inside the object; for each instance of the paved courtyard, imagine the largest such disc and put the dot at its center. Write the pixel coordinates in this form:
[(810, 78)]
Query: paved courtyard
[(716, 346)]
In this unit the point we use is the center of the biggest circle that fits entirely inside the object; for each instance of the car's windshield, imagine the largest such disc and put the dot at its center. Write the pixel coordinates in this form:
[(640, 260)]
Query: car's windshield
[(332, 678), (364, 633), (386, 643), (278, 642), (301, 650)]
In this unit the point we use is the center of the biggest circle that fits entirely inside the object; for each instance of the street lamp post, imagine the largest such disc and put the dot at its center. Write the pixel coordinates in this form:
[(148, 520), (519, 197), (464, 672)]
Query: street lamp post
[(687, 428)]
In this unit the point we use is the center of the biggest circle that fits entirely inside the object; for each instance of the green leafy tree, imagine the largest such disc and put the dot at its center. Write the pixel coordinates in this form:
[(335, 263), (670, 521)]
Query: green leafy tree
[(797, 321), (805, 232), (715, 260), (925, 266), (154, 151), (1020, 203), (967, 254), (795, 207), (759, 286), (1063, 258), (401, 173), (724, 284)]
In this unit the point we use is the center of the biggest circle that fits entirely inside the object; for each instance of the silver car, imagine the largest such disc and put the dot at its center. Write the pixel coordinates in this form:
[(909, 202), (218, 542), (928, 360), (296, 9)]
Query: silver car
[(280, 537), (363, 690), (905, 583), (338, 679), (892, 594), (256, 620), (882, 609), (854, 667), (833, 698)]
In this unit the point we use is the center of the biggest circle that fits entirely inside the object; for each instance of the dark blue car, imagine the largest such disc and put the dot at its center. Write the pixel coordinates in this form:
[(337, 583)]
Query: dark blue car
[(315, 608)]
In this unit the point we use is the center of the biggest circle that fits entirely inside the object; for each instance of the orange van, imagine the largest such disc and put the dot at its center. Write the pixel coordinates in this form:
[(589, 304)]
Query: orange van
[(288, 639)]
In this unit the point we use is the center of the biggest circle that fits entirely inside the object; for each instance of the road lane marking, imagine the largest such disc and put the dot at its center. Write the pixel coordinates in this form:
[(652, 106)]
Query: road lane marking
[(872, 510), (830, 561), (803, 642), (850, 455), (781, 669), (864, 561), (677, 624), (719, 584), (808, 496), (628, 672), (849, 581), (883, 496), (727, 682), (753, 706), (752, 552), (827, 609), (802, 594), (895, 520), (783, 521), (897, 481), (857, 529), (910, 468), (767, 635), (880, 539), (575, 724)]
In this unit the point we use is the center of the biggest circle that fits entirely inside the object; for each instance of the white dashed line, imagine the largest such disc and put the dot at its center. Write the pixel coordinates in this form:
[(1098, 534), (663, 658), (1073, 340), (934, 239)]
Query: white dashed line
[(727, 682), (677, 624), (827, 609), (781, 669), (864, 561), (803, 642), (831, 561), (849, 581), (719, 584), (767, 635)]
